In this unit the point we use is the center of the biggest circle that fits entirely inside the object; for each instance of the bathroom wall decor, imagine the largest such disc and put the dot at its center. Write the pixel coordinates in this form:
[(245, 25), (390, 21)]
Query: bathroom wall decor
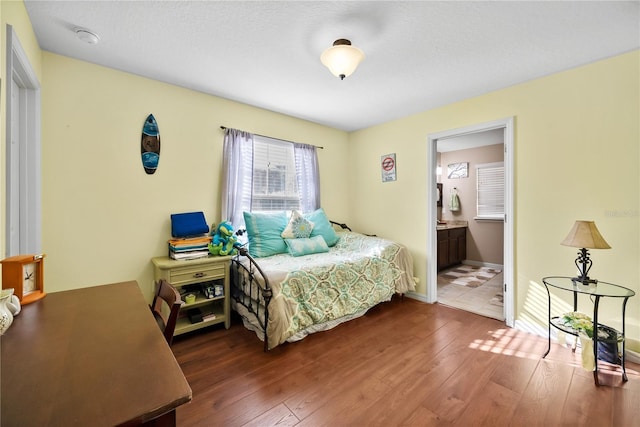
[(458, 170)]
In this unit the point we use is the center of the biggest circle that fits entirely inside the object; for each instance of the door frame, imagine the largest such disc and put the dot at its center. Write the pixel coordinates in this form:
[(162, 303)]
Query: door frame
[(432, 253), (23, 152)]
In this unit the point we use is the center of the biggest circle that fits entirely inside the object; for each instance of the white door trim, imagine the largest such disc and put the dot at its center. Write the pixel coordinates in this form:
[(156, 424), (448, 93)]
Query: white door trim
[(432, 253), (23, 152)]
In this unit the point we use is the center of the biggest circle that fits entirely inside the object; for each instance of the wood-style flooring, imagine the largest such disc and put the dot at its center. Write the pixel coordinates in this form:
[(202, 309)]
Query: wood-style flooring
[(404, 363)]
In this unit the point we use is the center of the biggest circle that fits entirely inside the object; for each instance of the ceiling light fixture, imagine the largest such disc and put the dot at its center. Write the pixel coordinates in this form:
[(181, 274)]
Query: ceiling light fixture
[(342, 59), (87, 36)]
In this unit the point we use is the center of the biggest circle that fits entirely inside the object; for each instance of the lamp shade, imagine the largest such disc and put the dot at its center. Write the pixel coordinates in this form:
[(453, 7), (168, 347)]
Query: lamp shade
[(585, 234), (342, 59)]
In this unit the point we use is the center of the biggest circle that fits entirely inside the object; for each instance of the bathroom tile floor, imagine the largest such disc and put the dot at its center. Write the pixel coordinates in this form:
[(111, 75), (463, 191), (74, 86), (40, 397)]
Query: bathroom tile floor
[(485, 300)]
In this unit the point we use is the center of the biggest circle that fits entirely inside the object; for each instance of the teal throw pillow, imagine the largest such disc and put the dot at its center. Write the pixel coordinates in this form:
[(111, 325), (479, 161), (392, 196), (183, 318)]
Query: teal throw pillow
[(264, 230), (307, 246), (322, 227), (298, 228)]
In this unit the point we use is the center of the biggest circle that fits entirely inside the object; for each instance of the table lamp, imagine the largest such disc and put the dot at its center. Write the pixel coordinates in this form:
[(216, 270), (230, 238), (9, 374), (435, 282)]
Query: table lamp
[(584, 235)]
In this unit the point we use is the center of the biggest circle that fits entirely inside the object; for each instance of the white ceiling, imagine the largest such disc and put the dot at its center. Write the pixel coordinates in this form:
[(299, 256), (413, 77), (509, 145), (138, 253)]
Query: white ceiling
[(419, 54)]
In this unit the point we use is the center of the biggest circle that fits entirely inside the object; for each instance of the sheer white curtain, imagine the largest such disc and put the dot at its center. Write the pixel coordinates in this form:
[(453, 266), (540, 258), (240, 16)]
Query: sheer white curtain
[(238, 170), (237, 176), (308, 176)]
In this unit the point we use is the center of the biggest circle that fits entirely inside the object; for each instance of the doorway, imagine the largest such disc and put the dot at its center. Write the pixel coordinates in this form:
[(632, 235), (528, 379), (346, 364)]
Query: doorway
[(470, 233), (505, 126), (23, 160)]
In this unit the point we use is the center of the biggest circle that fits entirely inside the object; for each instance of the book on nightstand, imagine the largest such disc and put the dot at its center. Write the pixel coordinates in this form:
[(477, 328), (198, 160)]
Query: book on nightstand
[(189, 239), (189, 248), (189, 255), (209, 316)]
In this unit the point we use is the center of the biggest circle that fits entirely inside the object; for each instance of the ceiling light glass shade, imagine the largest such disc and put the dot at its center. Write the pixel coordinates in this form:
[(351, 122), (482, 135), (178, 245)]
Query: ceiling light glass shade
[(342, 59)]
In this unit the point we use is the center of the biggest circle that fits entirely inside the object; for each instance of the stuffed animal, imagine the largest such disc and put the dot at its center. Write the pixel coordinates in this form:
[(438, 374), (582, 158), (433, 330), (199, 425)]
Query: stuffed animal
[(223, 240)]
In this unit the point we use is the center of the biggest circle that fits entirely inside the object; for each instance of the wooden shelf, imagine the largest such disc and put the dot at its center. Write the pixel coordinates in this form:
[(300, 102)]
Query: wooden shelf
[(200, 301), (184, 325), (186, 274)]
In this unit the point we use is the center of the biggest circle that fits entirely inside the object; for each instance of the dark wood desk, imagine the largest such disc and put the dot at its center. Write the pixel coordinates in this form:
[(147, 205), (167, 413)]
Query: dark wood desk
[(91, 356)]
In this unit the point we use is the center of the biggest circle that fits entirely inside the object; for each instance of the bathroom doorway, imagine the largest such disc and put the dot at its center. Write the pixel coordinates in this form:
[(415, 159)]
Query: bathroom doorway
[(460, 179), (470, 244)]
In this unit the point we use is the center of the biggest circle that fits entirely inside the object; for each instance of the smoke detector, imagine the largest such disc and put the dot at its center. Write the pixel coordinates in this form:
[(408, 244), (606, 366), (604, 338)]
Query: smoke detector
[(87, 36)]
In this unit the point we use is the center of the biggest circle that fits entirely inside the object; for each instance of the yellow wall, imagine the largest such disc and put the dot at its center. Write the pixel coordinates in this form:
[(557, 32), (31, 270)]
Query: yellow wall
[(104, 217), (484, 238), (576, 153), (576, 157)]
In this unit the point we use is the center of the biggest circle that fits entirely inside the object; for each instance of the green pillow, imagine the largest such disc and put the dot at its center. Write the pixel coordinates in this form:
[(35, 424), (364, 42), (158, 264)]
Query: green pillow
[(264, 230), (298, 227), (322, 227), (307, 246)]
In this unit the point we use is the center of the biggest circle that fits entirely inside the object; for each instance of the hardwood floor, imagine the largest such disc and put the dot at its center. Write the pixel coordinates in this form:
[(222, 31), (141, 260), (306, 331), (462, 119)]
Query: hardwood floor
[(403, 363)]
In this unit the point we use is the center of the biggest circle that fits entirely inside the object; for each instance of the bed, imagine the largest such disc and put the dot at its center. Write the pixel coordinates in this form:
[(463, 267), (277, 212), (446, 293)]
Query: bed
[(285, 296)]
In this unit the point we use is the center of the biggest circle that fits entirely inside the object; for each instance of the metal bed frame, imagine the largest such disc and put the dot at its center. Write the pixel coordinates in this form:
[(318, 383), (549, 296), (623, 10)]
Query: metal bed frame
[(251, 277)]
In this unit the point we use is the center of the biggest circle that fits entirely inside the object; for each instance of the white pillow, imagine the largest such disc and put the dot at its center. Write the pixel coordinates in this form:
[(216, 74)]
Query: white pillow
[(298, 227), (307, 246)]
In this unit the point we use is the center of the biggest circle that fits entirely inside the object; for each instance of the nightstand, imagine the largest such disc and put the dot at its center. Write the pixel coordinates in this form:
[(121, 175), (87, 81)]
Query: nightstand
[(193, 277)]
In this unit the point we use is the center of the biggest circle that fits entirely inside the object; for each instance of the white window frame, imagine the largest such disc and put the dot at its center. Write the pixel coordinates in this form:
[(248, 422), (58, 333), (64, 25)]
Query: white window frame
[(490, 182)]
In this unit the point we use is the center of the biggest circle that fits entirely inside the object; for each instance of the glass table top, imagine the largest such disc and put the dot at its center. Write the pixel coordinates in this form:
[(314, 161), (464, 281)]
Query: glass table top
[(600, 288)]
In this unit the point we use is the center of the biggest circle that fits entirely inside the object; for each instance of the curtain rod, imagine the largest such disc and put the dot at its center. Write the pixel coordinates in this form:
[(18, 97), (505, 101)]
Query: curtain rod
[(279, 139)]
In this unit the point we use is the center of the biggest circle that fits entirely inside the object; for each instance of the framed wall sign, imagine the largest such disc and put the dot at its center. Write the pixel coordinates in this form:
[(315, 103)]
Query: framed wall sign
[(388, 167), (458, 170)]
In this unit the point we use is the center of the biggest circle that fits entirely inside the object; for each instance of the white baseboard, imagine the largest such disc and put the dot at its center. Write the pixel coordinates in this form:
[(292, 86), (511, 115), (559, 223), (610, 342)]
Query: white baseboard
[(631, 356), (483, 264), (416, 296), (533, 328)]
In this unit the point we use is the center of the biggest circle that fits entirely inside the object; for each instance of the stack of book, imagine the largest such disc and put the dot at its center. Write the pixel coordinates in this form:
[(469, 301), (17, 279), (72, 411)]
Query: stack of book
[(189, 247)]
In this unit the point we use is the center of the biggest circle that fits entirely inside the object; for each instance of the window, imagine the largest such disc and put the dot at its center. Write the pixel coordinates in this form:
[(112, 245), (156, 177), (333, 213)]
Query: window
[(490, 191), (274, 176), (266, 174)]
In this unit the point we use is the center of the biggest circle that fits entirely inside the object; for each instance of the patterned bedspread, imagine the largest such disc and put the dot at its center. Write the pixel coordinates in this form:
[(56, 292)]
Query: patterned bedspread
[(356, 274)]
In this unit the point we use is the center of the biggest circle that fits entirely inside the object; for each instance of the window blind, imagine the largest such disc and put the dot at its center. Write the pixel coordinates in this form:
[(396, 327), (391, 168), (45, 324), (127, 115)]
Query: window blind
[(490, 190), (275, 185)]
